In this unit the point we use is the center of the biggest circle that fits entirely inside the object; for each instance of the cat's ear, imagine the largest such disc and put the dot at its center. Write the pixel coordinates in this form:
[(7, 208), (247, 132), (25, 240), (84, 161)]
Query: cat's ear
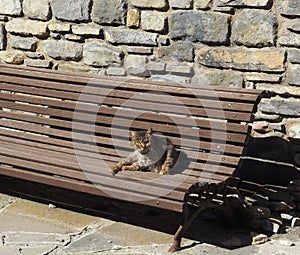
[(132, 134), (149, 131)]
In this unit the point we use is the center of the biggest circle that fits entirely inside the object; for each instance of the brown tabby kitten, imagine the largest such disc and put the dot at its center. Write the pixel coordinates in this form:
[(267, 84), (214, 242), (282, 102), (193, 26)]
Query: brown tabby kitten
[(151, 153)]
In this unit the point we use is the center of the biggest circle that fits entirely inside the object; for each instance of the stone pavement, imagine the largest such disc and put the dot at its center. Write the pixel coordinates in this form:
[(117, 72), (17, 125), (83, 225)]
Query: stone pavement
[(31, 228)]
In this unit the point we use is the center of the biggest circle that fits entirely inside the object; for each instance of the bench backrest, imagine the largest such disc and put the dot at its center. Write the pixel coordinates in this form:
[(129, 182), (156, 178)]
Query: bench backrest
[(70, 128)]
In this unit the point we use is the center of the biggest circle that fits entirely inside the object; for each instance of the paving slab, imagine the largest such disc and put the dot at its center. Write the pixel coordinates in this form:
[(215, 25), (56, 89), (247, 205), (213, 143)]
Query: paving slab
[(132, 235), (25, 215), (89, 243)]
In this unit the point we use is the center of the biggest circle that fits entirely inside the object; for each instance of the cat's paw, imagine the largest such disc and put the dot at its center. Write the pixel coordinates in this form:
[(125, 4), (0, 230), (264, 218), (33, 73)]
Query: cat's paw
[(133, 167), (113, 171), (128, 168), (164, 170)]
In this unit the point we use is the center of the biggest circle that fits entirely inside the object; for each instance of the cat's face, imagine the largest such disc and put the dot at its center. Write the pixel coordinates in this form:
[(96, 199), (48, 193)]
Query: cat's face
[(141, 141)]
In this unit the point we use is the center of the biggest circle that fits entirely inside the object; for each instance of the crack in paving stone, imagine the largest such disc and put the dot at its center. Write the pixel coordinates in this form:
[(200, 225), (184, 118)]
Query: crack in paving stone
[(5, 203), (74, 237), (23, 250)]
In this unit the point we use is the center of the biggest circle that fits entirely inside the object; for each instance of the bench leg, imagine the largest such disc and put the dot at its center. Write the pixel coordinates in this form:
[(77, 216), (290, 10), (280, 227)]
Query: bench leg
[(176, 246)]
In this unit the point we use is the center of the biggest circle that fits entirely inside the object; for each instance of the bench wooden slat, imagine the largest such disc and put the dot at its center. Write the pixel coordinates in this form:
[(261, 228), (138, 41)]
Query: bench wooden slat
[(166, 129), (70, 106), (65, 76), (148, 106), (245, 95), (90, 189), (40, 163), (122, 94), (86, 150), (62, 159), (208, 146)]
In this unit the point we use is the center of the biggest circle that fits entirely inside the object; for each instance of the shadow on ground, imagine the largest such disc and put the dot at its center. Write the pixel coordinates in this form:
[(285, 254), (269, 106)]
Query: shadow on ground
[(212, 232)]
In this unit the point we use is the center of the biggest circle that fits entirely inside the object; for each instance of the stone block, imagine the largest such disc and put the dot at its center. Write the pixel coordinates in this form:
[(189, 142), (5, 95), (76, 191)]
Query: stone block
[(202, 4), (56, 26), (244, 3), (196, 26), (260, 239), (98, 55), (62, 49), (37, 9), (133, 18), (279, 89), (224, 9), (37, 63), (224, 78), (182, 51), (263, 77), (109, 12), (156, 67), (23, 43), (279, 105), (27, 27), (34, 55), (163, 40), (294, 56), (76, 68), (287, 216), (292, 126), (155, 4), (136, 65), (293, 74), (171, 78), (294, 26), (2, 37), (139, 50), (86, 29), (175, 68), (181, 4), (128, 36), (281, 206), (116, 71), (71, 10), (75, 38), (289, 39), (264, 224), (12, 57), (289, 7), (254, 28), (153, 21), (11, 7), (242, 59)]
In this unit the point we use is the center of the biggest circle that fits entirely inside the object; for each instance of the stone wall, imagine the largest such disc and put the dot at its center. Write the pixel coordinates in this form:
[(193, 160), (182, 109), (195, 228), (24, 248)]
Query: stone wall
[(234, 43)]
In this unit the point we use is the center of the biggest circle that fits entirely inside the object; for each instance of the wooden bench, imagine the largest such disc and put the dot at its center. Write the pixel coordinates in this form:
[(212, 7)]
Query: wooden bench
[(66, 130)]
